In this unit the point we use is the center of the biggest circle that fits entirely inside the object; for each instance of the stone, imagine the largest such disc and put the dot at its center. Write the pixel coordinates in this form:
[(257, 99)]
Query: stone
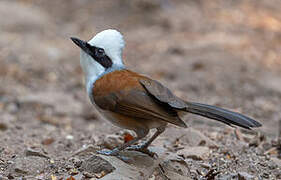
[(32, 152), (96, 164), (239, 176), (140, 166), (193, 137), (138, 159), (196, 153), (28, 165), (174, 167), (3, 126), (245, 176), (111, 141), (86, 149), (3, 178), (277, 161)]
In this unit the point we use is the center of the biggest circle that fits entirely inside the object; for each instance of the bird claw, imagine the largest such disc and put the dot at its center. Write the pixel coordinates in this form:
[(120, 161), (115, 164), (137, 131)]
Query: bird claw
[(141, 148), (106, 152), (114, 152)]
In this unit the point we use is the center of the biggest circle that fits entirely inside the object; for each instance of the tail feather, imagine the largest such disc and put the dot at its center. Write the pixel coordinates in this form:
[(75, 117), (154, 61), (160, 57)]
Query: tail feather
[(223, 115)]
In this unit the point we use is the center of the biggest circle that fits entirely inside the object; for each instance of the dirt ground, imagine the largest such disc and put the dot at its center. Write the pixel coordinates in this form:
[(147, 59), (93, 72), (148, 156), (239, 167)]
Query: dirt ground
[(221, 52)]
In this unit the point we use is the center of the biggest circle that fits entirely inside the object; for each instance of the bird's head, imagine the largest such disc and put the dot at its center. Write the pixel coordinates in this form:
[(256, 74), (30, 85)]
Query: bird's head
[(103, 53)]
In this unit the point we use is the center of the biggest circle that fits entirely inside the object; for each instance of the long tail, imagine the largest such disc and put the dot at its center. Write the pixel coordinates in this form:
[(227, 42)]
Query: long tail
[(223, 115)]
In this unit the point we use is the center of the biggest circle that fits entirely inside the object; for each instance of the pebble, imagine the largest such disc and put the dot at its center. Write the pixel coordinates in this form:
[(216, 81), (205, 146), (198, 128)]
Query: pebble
[(111, 141), (195, 138), (27, 165), (88, 175), (69, 137), (96, 164), (3, 127), (205, 165), (31, 152), (196, 153), (12, 108), (3, 178), (85, 150), (245, 176)]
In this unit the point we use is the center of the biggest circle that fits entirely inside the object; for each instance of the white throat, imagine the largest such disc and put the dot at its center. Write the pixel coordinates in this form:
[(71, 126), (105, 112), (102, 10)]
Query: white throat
[(93, 70), (113, 43)]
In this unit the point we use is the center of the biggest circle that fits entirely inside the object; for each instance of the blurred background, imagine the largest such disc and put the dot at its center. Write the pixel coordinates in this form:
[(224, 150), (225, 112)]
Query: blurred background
[(221, 52)]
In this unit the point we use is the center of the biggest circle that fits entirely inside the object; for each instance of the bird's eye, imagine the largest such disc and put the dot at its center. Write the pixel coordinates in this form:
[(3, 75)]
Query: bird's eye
[(100, 52)]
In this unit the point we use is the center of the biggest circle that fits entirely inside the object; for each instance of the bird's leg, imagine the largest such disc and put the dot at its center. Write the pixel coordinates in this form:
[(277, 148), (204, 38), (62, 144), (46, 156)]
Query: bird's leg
[(159, 131), (141, 133), (143, 147)]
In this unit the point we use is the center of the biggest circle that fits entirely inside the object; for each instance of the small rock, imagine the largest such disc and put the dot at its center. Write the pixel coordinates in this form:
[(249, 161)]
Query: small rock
[(211, 174), (227, 176), (127, 171), (276, 161), (195, 138), (10, 176), (265, 175), (88, 175), (138, 159), (256, 141), (69, 137), (205, 165), (85, 150), (39, 177), (48, 141), (196, 153), (3, 127), (198, 66), (176, 51), (28, 165), (100, 175), (73, 172), (12, 108), (245, 176), (76, 162), (111, 141), (272, 165), (68, 167), (174, 167), (31, 152), (3, 178), (96, 164), (20, 171)]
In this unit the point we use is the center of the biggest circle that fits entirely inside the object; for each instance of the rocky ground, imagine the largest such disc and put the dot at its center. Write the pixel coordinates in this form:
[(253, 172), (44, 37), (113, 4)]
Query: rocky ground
[(222, 52)]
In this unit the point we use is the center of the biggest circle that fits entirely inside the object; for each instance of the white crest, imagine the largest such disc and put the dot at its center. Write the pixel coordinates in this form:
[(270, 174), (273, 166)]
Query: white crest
[(113, 43)]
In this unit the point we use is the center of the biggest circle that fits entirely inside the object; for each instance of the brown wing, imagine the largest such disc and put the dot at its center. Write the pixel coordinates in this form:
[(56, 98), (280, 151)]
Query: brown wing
[(134, 101), (162, 94)]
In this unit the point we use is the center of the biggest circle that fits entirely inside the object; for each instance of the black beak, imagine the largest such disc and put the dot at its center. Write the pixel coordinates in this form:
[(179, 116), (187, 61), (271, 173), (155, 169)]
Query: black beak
[(82, 44)]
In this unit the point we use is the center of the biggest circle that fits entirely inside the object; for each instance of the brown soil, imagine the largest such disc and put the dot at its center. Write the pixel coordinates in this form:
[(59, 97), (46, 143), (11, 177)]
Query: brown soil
[(225, 53)]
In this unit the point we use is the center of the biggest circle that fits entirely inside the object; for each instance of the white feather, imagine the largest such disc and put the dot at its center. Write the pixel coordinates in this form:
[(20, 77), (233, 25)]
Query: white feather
[(113, 43)]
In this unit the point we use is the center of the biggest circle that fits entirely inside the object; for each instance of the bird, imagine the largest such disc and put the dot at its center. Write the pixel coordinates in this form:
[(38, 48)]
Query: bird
[(134, 101)]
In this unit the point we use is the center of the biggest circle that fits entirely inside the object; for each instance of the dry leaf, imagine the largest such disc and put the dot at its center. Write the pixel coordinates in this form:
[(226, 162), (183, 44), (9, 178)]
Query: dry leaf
[(128, 137), (53, 177), (70, 178)]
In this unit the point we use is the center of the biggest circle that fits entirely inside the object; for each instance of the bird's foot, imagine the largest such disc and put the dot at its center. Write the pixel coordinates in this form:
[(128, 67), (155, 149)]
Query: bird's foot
[(114, 152), (106, 152), (141, 148)]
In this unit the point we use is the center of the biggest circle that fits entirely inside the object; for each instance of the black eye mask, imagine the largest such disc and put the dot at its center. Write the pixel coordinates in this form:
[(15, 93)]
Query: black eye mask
[(99, 55), (95, 52)]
